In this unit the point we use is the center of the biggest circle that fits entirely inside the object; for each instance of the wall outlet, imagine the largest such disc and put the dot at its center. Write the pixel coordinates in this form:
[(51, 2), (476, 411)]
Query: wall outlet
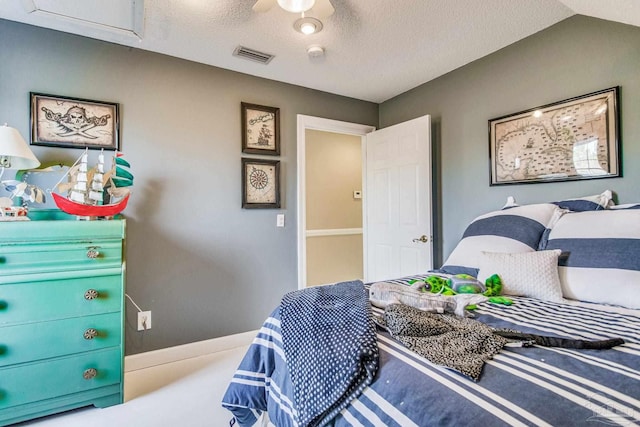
[(144, 320), (280, 220)]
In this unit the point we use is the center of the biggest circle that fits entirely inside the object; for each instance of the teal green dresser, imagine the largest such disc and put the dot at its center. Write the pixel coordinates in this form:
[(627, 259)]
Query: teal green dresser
[(61, 315)]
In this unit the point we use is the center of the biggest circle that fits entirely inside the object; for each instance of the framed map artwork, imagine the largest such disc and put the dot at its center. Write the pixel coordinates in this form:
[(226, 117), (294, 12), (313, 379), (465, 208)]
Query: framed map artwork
[(574, 139), (260, 129), (260, 184)]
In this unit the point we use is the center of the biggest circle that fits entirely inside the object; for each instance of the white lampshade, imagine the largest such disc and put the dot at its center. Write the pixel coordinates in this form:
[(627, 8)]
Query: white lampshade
[(14, 151), (296, 6)]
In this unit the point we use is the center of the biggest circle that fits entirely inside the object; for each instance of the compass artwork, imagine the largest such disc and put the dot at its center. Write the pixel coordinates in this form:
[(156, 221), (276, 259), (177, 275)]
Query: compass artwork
[(75, 123), (260, 129), (260, 183)]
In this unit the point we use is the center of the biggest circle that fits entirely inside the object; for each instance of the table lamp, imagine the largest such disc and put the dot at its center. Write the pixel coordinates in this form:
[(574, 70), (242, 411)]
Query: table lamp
[(14, 154)]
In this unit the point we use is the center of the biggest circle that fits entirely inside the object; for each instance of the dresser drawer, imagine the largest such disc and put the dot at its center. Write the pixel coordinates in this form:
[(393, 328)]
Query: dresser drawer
[(34, 341), (68, 256), (33, 382), (35, 301)]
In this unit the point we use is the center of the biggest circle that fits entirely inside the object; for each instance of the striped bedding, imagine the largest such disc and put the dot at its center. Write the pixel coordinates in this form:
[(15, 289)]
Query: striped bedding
[(521, 386)]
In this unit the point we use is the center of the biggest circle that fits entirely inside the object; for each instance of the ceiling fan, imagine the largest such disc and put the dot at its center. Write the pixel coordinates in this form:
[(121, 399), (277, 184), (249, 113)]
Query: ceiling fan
[(318, 8)]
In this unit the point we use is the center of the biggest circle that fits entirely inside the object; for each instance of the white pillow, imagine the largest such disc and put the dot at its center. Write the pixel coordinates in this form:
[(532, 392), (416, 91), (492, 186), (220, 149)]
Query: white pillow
[(529, 274)]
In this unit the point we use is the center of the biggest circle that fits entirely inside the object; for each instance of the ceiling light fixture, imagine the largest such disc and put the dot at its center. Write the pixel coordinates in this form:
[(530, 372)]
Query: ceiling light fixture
[(307, 25), (296, 6)]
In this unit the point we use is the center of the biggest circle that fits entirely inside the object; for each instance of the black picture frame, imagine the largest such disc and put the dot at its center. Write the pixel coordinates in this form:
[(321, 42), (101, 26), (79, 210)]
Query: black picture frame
[(260, 183), (260, 129), (573, 139), (66, 122)]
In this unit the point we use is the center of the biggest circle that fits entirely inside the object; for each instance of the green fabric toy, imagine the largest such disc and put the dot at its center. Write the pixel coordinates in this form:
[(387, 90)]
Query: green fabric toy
[(494, 288), (466, 284), (463, 283), (438, 285)]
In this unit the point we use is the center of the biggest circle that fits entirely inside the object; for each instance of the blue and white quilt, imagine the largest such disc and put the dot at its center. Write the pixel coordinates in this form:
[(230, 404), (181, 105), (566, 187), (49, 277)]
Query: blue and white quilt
[(521, 386)]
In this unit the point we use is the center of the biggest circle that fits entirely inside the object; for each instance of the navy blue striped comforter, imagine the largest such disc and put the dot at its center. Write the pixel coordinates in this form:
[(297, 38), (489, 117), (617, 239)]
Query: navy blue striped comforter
[(521, 386)]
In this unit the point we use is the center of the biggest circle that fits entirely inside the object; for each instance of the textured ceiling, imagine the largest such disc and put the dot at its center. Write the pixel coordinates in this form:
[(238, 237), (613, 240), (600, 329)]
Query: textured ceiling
[(374, 49)]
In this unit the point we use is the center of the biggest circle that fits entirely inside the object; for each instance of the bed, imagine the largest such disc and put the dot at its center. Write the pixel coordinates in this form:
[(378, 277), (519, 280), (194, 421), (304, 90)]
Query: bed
[(529, 385)]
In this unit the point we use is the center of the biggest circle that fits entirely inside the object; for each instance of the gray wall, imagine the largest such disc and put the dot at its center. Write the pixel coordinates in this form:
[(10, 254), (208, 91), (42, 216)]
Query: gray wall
[(204, 266), (574, 57), (207, 268)]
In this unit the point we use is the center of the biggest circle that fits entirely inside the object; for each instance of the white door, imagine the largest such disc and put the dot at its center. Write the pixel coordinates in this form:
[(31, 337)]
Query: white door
[(397, 222)]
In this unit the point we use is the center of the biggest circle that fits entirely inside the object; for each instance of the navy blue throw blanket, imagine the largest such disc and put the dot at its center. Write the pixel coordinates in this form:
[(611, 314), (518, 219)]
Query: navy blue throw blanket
[(329, 341)]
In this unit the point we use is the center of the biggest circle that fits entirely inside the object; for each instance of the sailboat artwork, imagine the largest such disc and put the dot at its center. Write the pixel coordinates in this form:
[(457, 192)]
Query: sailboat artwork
[(93, 192)]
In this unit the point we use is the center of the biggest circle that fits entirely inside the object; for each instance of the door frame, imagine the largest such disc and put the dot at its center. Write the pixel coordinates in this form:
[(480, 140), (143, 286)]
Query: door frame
[(305, 123)]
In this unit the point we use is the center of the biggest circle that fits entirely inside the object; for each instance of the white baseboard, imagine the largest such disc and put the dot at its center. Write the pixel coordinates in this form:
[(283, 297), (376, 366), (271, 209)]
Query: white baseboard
[(186, 351)]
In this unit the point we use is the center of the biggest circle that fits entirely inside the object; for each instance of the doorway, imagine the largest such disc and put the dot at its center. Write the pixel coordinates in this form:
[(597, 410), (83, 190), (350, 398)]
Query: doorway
[(319, 238), (397, 237), (333, 204)]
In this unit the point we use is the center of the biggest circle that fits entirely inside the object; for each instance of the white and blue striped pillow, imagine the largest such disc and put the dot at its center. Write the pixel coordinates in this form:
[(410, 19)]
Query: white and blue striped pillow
[(514, 230), (588, 203), (601, 256), (596, 202)]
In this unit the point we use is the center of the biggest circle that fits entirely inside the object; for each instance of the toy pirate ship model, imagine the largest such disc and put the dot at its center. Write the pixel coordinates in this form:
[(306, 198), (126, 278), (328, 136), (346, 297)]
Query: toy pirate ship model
[(94, 193)]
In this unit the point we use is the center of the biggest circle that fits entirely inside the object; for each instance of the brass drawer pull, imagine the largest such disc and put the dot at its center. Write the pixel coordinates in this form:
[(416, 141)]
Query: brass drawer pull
[(92, 252), (90, 373), (90, 334), (90, 294)]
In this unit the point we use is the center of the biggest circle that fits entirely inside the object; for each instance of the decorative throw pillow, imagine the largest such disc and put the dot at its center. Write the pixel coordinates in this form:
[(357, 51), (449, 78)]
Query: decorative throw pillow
[(515, 230), (533, 274), (588, 203), (601, 256), (596, 202)]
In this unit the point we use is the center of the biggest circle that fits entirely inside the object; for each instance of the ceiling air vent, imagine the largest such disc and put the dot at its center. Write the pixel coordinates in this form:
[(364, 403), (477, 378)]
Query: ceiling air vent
[(253, 55)]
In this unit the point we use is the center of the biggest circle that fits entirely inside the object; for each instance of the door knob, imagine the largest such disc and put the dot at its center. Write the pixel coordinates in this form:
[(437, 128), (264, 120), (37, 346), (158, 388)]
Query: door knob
[(421, 239)]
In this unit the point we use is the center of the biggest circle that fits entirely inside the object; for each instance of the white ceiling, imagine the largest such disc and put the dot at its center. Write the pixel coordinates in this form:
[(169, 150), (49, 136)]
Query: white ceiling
[(374, 49)]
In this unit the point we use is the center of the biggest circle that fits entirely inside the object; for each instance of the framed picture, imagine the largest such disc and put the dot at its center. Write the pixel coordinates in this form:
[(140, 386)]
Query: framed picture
[(260, 183), (59, 121), (260, 129), (578, 138)]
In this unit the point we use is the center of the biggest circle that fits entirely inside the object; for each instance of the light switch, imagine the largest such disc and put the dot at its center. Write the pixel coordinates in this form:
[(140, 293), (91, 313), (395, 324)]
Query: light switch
[(357, 194), (280, 220)]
